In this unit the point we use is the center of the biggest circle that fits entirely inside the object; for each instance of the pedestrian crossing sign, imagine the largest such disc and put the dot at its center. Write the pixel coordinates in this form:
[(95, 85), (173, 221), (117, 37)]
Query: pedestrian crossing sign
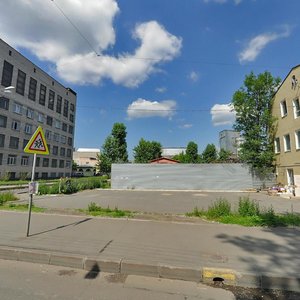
[(37, 144)]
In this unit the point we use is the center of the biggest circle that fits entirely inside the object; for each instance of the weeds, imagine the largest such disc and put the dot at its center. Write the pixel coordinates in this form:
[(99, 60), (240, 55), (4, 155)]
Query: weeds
[(96, 210)]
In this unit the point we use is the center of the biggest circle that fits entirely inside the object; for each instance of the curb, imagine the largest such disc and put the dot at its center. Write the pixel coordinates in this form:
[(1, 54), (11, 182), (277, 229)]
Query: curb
[(129, 267)]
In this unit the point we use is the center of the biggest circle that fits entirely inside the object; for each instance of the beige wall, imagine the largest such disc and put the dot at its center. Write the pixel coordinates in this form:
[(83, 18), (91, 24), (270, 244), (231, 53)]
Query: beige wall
[(288, 125)]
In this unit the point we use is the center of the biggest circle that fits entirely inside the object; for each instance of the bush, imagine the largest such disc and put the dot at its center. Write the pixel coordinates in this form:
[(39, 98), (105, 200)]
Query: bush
[(248, 208), (218, 209), (7, 196)]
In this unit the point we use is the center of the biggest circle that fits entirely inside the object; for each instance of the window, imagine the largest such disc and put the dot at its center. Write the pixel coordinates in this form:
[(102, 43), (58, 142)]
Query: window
[(1, 158), (24, 160), (68, 164), (297, 139), (277, 145), (45, 162), (51, 99), (69, 152), (70, 141), (29, 113), (21, 79), (54, 163), (48, 135), (58, 124), (42, 99), (49, 121), (4, 103), (17, 108), (25, 142), (283, 108), (7, 74), (37, 163), (72, 107), (13, 142), (287, 143), (58, 104), (32, 89), (296, 107), (62, 151), (15, 125), (72, 118), (40, 118), (63, 139), (28, 128), (11, 159), (64, 127), (71, 129), (3, 121), (56, 137), (66, 108), (2, 140), (61, 163), (53, 175), (55, 150)]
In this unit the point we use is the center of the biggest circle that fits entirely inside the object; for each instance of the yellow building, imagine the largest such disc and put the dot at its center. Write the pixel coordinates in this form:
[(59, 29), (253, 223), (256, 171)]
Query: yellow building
[(286, 108)]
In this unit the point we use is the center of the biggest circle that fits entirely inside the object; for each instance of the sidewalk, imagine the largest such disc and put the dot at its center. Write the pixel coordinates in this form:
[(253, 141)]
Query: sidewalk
[(259, 257)]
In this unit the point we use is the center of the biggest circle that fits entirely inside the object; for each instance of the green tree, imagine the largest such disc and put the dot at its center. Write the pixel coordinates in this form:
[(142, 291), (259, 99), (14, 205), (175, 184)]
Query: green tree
[(253, 106), (181, 157), (74, 165), (192, 152), (224, 155), (114, 149), (146, 151), (209, 154)]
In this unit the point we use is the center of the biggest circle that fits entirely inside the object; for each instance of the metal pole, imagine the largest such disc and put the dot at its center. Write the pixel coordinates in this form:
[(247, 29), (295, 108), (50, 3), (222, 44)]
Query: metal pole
[(31, 195)]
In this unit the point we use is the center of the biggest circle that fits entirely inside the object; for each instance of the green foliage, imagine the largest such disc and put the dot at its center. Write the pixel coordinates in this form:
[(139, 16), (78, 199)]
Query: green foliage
[(192, 152), (248, 207), (74, 165), (96, 210), (218, 209), (7, 196), (248, 214), (224, 155), (209, 154), (146, 151), (114, 149), (253, 106), (181, 157)]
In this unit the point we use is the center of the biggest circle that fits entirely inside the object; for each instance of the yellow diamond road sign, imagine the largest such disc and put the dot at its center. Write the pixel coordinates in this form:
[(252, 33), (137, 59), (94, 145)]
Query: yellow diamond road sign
[(37, 143)]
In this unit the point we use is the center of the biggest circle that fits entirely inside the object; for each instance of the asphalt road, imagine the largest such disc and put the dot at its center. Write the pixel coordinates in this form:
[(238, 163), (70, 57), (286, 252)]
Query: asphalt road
[(26, 281), (172, 202)]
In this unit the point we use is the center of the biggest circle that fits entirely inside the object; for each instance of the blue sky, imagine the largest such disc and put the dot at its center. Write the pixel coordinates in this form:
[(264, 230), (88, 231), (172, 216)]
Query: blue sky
[(167, 69)]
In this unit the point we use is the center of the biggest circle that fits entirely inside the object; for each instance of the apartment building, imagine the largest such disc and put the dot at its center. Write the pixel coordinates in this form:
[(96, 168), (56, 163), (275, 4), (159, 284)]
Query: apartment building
[(29, 98), (230, 140), (286, 108)]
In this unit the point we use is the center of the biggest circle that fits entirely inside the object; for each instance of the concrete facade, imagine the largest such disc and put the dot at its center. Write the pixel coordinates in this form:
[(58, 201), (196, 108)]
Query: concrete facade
[(229, 140), (36, 100), (286, 109), (169, 152)]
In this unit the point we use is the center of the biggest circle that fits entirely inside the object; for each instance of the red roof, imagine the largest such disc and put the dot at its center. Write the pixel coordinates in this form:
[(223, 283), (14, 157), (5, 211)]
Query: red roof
[(164, 160)]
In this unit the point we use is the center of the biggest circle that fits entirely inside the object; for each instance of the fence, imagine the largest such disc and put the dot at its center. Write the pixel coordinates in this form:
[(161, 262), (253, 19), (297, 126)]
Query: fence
[(234, 177)]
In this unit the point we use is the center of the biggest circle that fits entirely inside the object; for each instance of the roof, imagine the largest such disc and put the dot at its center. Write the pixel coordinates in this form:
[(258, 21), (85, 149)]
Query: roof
[(164, 158)]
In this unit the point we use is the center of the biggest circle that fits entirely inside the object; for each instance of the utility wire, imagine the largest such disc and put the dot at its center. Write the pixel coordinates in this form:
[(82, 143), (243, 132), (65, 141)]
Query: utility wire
[(76, 28)]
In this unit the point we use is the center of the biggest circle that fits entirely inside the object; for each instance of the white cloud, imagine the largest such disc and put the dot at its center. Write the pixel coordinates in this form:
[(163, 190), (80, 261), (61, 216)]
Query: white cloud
[(222, 114), (258, 43), (186, 126), (194, 76), (161, 89), (48, 35), (142, 108), (223, 1)]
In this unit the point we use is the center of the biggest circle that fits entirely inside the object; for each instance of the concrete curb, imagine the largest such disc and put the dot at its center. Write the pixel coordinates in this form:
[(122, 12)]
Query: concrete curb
[(129, 267)]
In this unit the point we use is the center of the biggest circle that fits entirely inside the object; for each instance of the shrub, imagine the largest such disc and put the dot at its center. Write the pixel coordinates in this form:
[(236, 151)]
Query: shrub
[(248, 208), (44, 189), (218, 209), (7, 196)]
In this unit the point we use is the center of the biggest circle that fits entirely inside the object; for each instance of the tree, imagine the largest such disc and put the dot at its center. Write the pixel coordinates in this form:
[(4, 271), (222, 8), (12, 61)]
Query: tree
[(146, 151), (253, 104), (224, 155), (209, 154), (192, 152), (74, 165), (114, 149)]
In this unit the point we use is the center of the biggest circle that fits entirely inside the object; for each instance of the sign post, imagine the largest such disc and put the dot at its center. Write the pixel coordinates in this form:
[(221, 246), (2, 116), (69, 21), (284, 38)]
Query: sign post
[(36, 145)]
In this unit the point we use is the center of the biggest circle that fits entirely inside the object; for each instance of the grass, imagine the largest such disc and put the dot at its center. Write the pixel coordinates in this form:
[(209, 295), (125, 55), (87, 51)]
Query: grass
[(96, 210), (7, 196), (22, 207), (248, 214)]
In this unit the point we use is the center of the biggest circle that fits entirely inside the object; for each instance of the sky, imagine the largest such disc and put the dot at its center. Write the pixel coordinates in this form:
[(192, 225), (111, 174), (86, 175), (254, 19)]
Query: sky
[(167, 69)]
